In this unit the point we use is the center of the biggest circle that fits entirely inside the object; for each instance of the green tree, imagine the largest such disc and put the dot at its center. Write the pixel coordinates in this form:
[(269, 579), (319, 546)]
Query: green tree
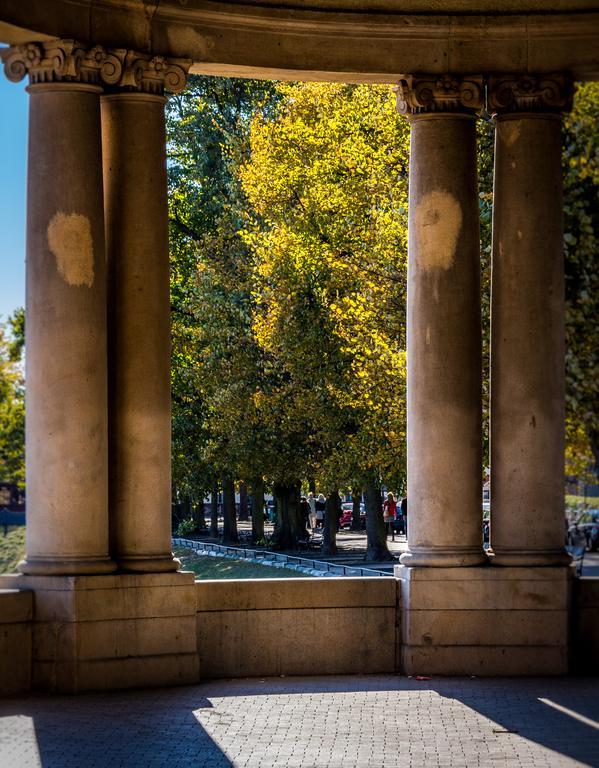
[(327, 182), (12, 400), (581, 244), (213, 359)]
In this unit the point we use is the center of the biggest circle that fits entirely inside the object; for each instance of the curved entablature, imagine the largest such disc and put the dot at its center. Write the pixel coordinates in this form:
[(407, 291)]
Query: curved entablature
[(345, 40)]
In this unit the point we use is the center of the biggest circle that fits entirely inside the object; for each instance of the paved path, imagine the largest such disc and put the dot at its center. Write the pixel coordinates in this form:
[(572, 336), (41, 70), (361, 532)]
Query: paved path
[(337, 722)]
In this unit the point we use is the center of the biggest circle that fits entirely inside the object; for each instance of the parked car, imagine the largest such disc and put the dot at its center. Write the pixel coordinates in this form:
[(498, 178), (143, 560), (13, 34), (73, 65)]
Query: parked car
[(585, 531), (346, 515)]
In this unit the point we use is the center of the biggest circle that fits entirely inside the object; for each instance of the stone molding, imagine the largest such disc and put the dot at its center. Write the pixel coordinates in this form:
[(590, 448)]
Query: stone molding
[(425, 94), (63, 61), (529, 93)]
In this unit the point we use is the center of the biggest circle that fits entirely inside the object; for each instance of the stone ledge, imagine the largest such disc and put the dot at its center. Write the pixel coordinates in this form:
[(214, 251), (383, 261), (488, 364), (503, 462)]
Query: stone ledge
[(293, 594), (107, 581), (482, 573), (16, 606)]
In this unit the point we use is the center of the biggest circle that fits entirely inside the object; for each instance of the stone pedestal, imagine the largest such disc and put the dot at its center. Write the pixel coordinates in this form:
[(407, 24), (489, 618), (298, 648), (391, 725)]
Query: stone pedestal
[(113, 631), (484, 621)]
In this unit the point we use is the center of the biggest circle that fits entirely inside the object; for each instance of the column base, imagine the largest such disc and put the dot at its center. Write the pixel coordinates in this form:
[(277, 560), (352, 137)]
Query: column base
[(149, 563), (523, 558), (484, 621), (440, 557), (51, 566)]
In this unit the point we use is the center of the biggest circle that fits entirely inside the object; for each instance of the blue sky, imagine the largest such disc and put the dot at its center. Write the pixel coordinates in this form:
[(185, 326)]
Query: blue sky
[(13, 184)]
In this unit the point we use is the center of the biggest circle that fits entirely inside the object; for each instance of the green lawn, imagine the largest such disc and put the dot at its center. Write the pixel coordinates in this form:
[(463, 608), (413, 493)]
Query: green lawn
[(222, 568), (12, 548), (571, 500)]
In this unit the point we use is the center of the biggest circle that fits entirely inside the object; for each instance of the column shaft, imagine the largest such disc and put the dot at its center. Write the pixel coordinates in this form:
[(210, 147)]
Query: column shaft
[(527, 343), (444, 345), (67, 511), (139, 330)]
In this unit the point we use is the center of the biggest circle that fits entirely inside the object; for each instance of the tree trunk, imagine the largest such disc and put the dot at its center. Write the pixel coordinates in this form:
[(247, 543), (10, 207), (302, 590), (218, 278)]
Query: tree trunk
[(356, 497), (376, 535), (229, 518), (214, 511), (287, 527), (243, 501), (331, 518), (257, 510)]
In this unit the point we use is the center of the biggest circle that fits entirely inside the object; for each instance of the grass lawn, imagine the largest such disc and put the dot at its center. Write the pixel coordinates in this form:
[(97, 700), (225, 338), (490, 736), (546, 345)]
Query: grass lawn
[(206, 567), (12, 548), (592, 501)]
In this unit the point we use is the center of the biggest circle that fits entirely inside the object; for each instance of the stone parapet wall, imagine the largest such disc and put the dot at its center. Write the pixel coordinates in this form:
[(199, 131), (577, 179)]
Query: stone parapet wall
[(16, 611), (297, 627), (584, 659), (80, 633)]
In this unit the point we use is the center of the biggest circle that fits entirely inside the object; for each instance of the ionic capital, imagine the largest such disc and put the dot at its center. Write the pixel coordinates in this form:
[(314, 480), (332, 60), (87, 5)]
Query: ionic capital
[(56, 61), (529, 93), (64, 61), (421, 94), (152, 74)]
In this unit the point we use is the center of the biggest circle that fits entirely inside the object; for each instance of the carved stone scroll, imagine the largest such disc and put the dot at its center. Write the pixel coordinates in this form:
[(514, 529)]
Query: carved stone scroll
[(418, 94), (70, 61), (529, 93)]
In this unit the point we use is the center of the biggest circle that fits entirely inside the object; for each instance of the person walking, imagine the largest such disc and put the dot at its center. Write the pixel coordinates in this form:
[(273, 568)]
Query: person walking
[(390, 514), (320, 505), (312, 504), (404, 514), (305, 514)]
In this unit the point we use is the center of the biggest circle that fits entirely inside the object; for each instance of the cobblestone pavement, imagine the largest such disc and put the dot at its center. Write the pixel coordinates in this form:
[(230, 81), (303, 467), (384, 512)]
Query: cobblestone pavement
[(340, 722)]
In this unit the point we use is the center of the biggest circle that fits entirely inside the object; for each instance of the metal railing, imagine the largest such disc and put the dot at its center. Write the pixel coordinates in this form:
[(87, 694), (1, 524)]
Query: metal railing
[(264, 557)]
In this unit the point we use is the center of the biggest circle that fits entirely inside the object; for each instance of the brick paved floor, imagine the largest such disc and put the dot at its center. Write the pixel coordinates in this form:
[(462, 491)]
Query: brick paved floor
[(337, 722)]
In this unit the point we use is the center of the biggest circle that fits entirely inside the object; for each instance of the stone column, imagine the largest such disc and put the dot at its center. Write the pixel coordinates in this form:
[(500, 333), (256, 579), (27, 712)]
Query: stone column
[(443, 324), (134, 144), (527, 330), (67, 462)]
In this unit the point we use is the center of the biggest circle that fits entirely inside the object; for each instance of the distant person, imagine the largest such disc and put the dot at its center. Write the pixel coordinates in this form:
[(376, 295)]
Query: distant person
[(312, 503), (321, 505), (390, 514), (305, 513), (404, 513)]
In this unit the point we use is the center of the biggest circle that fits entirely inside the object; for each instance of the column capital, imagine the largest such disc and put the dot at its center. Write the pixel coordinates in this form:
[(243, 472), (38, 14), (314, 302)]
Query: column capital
[(426, 94), (63, 61), (153, 75), (550, 93)]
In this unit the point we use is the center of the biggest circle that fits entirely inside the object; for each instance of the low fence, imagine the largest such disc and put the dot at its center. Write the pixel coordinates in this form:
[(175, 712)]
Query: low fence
[(265, 557)]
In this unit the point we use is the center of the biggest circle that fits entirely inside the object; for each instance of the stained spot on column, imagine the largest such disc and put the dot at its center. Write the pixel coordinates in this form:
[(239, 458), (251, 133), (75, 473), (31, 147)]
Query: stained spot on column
[(438, 222), (509, 131), (70, 241), (428, 334)]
